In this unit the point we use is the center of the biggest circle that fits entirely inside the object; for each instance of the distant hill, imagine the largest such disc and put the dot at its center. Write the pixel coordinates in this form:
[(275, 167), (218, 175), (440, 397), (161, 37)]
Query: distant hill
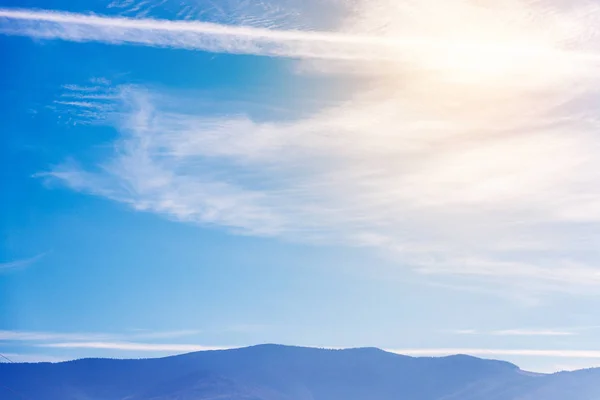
[(273, 372)]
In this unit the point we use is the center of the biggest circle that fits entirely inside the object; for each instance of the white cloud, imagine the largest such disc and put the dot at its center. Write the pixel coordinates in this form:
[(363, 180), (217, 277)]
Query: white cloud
[(266, 13), (581, 354), (33, 358), (35, 336), (470, 150), (6, 335), (531, 332), (19, 264), (166, 334), (349, 175), (132, 346), (191, 35), (384, 30), (517, 332)]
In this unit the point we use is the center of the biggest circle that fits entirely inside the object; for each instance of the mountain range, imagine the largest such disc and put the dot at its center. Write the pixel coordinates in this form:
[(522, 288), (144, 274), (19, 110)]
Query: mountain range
[(274, 372)]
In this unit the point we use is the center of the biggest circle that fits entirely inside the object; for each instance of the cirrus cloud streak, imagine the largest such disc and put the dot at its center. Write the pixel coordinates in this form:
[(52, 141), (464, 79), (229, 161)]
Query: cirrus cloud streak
[(469, 151)]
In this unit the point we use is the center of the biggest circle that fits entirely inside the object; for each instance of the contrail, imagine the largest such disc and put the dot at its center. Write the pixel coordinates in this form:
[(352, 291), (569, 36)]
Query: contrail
[(196, 35), (218, 38)]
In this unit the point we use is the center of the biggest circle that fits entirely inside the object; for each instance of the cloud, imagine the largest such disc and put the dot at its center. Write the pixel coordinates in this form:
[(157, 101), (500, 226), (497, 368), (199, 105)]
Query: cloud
[(6, 335), (132, 346), (267, 13), (518, 332), (445, 202), (531, 332), (465, 149), (582, 354), (191, 35), (166, 334), (33, 358), (355, 42), (20, 264), (29, 336)]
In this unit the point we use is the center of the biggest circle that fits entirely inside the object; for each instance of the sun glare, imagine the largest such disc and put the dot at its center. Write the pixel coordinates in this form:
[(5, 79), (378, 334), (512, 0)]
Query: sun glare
[(472, 42)]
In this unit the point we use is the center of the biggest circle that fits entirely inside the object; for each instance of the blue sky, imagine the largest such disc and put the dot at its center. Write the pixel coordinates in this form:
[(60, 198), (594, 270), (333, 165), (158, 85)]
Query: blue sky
[(180, 176)]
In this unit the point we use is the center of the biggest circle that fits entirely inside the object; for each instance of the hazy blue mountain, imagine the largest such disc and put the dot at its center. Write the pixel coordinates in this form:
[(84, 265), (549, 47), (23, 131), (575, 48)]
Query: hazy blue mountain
[(271, 372)]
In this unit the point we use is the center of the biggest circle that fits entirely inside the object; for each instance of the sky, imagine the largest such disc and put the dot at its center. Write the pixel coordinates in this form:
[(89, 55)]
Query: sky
[(410, 175)]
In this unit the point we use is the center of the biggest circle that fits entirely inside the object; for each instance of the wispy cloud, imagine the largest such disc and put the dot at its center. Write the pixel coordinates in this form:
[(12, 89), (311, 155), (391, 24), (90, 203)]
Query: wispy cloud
[(166, 334), (33, 336), (353, 43), (7, 335), (132, 346), (265, 13), (192, 35), (33, 358), (583, 354), (336, 177), (470, 152), (531, 332), (20, 264), (518, 332), (87, 104)]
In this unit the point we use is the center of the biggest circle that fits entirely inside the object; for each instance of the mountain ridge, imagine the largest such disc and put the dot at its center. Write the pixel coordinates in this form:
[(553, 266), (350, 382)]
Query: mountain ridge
[(279, 372), (286, 346)]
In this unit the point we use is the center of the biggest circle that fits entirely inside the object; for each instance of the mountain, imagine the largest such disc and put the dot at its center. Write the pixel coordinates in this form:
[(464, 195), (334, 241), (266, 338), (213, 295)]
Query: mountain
[(273, 372)]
